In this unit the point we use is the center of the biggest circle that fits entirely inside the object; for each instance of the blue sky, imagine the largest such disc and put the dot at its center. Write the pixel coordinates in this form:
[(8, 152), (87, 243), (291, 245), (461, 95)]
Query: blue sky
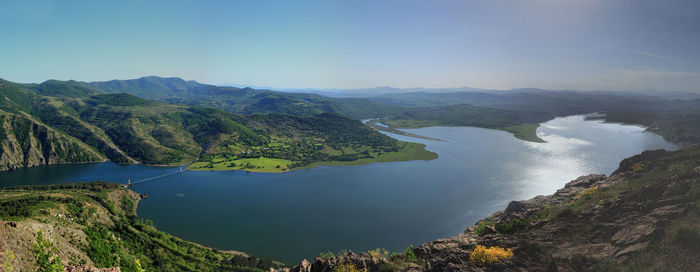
[(556, 44)]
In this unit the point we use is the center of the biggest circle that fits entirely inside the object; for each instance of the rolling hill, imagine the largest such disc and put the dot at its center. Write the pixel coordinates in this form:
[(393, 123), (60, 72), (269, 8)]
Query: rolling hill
[(244, 100)]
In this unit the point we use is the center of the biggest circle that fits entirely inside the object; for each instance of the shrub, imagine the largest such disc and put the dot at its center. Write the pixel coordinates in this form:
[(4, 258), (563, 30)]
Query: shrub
[(138, 266), (512, 226), (486, 256), (379, 253), (482, 227), (345, 267), (588, 193), (410, 255), (327, 254), (45, 255), (127, 205), (8, 258), (638, 167), (102, 250)]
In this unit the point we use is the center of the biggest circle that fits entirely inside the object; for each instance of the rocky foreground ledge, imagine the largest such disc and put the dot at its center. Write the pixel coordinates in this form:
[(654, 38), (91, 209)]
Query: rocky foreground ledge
[(644, 217)]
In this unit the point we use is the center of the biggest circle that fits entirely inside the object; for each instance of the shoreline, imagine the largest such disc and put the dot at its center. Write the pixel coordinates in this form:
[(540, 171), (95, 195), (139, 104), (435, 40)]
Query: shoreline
[(526, 132), (373, 124)]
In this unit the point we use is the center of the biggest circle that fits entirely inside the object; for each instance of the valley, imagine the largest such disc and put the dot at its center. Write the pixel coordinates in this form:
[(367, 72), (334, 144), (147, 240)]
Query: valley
[(256, 163)]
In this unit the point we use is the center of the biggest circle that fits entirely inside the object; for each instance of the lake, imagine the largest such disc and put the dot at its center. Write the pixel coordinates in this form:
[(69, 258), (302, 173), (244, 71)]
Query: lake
[(295, 215)]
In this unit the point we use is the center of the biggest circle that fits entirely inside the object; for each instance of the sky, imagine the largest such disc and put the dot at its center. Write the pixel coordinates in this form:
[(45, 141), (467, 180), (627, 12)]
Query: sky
[(634, 45)]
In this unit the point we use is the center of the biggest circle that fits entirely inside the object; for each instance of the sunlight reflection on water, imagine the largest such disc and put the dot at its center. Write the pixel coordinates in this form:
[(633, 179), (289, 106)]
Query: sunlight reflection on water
[(572, 149)]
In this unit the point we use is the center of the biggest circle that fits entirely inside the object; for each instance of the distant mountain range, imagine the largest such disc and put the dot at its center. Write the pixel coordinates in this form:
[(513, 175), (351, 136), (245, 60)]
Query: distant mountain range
[(389, 91), (242, 100)]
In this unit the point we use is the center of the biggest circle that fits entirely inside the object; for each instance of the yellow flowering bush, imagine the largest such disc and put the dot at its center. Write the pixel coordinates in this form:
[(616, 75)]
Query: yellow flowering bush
[(485, 256), (637, 167), (588, 193), (379, 253)]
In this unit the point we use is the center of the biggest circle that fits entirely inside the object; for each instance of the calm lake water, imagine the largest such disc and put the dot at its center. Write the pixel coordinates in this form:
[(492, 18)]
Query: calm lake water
[(296, 215)]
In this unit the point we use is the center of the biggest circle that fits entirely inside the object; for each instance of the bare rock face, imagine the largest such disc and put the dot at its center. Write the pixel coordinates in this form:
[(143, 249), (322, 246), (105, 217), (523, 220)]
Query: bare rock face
[(305, 266), (577, 186), (523, 208), (527, 208)]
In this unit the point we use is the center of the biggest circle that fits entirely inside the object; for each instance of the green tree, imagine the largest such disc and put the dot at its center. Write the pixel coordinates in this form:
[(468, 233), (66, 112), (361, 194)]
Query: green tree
[(45, 255)]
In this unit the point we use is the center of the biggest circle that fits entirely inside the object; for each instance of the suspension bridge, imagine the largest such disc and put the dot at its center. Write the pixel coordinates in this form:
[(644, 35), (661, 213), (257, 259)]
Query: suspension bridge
[(182, 169)]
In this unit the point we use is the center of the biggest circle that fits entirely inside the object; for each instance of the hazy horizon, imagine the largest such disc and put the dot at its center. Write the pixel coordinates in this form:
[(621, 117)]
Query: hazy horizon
[(638, 46), (383, 89)]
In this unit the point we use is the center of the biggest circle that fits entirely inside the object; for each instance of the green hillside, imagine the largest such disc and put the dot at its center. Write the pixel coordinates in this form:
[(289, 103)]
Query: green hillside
[(25, 142), (93, 126)]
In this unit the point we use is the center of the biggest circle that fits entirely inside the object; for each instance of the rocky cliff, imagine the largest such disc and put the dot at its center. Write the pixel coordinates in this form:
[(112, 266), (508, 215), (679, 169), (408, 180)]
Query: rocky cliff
[(644, 217)]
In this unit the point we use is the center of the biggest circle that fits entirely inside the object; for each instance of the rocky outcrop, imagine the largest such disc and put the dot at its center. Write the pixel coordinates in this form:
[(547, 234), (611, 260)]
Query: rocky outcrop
[(643, 217), (363, 260)]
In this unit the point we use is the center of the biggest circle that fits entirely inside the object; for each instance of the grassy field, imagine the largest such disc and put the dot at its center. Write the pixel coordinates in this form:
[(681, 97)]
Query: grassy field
[(266, 165)]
